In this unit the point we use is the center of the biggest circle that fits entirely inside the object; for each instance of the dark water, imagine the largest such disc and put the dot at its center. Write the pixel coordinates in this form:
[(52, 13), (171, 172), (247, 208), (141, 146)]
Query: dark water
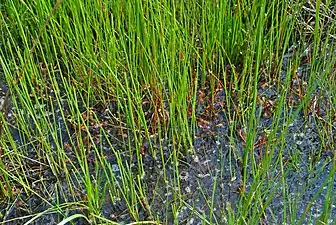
[(210, 177)]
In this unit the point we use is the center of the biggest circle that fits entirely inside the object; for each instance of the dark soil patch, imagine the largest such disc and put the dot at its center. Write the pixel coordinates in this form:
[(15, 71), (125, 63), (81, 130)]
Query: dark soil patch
[(210, 177)]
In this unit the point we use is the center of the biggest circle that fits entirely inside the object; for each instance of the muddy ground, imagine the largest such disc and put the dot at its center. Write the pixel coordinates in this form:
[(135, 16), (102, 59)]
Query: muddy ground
[(213, 171)]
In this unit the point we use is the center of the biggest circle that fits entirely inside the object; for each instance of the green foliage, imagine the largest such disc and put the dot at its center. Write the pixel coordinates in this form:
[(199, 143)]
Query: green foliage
[(66, 60)]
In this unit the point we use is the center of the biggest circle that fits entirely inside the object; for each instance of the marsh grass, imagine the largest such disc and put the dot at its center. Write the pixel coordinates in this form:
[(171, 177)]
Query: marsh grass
[(77, 70)]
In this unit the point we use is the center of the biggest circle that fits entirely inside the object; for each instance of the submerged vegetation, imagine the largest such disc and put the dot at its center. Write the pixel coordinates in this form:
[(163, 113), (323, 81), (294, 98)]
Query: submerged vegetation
[(167, 112)]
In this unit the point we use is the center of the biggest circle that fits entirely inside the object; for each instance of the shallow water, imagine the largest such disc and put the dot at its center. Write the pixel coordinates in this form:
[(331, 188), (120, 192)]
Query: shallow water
[(210, 177)]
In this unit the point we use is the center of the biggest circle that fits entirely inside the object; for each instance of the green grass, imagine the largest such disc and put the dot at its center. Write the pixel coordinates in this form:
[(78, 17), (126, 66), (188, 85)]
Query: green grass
[(66, 62)]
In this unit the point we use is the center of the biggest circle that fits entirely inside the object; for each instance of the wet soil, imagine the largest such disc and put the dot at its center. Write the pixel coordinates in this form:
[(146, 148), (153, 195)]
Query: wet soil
[(210, 177)]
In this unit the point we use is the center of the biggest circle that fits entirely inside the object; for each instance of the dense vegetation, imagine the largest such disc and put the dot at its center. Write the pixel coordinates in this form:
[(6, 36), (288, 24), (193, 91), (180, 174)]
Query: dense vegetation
[(94, 90)]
